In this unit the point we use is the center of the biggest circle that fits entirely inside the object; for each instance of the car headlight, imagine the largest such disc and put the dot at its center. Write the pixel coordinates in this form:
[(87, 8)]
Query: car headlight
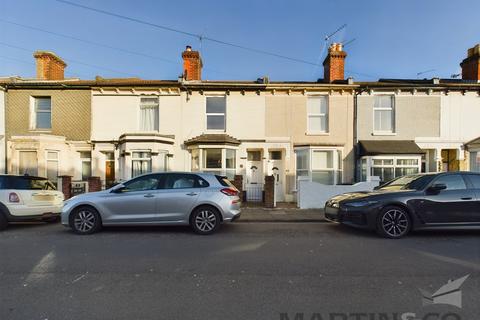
[(357, 204)]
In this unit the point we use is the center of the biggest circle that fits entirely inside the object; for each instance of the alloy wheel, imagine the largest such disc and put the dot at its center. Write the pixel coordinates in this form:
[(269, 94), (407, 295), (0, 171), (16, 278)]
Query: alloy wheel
[(206, 220), (84, 221), (395, 223)]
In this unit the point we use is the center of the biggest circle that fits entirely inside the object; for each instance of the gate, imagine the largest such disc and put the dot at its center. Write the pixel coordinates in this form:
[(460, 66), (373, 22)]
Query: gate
[(254, 192)]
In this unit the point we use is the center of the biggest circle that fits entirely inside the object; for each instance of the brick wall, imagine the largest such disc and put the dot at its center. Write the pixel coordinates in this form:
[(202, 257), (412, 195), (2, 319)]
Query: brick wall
[(49, 66), (238, 183), (269, 189), (192, 64), (334, 64), (94, 184), (66, 182)]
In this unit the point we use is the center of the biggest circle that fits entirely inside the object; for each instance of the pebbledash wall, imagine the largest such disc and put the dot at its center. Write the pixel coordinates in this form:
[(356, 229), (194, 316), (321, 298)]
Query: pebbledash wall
[(52, 151)]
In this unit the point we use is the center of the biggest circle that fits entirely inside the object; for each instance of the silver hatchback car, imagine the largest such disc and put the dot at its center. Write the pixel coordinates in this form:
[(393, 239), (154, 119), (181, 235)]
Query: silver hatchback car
[(201, 200)]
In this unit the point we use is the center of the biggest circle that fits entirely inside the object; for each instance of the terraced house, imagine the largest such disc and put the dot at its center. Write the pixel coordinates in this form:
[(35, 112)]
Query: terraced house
[(247, 128), (407, 126), (47, 122), (331, 131)]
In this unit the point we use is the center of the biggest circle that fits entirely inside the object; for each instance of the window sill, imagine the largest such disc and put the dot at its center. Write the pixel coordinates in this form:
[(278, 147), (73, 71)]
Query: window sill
[(384, 133), (41, 130), (317, 133)]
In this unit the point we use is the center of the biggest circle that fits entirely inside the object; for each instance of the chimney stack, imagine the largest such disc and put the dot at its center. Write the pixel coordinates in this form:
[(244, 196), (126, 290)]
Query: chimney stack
[(49, 66), (334, 63), (471, 64), (192, 64)]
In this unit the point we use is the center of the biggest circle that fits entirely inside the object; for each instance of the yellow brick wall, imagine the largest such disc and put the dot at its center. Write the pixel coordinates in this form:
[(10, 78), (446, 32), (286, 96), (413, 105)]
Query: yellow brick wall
[(71, 111)]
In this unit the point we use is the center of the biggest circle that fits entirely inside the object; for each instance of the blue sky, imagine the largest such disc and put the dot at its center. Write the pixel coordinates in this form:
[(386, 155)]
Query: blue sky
[(394, 39)]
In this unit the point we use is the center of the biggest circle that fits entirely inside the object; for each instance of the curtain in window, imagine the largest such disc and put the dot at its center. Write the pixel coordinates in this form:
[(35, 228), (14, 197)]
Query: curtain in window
[(149, 114)]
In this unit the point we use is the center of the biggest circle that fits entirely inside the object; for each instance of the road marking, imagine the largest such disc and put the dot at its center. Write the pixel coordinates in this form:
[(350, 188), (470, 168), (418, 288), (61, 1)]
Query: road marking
[(243, 248), (41, 270), (456, 261)]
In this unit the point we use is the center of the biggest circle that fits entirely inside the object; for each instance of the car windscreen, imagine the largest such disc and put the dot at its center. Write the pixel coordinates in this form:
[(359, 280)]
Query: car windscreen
[(412, 182), (30, 183)]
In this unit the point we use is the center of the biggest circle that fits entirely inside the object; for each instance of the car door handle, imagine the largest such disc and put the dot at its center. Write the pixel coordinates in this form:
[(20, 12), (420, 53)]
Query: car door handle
[(192, 194), (466, 198), (149, 195)]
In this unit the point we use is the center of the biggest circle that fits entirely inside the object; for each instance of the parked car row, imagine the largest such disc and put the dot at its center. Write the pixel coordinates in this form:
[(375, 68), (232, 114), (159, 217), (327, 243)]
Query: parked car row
[(205, 201), (202, 200)]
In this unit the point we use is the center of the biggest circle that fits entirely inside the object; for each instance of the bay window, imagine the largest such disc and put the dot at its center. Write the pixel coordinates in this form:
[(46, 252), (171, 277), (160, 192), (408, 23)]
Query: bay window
[(321, 165), (141, 162), (52, 166), (475, 161), (389, 167), (221, 161)]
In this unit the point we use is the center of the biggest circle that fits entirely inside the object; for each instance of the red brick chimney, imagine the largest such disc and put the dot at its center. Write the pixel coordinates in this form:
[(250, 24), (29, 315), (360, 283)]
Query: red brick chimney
[(49, 66), (334, 63), (192, 64), (471, 64)]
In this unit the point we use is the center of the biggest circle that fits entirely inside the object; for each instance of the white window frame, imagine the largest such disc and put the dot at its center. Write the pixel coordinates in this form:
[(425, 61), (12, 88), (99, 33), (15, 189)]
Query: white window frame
[(326, 115), (224, 114), (82, 160), (337, 162), (47, 160), (132, 159), (392, 109), (148, 106), (223, 169), (394, 165), (33, 113)]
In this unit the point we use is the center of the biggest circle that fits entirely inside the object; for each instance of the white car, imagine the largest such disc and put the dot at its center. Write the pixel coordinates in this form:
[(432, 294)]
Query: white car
[(28, 198)]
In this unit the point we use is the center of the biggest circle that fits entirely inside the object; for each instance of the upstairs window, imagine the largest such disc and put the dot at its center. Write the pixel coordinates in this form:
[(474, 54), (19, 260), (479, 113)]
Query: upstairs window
[(43, 113), (216, 107), (384, 114), (317, 113), (149, 114)]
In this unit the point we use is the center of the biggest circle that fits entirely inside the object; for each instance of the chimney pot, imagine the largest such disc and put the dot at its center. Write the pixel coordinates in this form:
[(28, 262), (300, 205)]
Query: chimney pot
[(188, 48), (334, 63), (49, 66)]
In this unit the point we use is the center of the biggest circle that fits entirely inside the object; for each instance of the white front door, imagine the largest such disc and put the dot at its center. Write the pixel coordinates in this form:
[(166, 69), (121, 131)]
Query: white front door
[(254, 176)]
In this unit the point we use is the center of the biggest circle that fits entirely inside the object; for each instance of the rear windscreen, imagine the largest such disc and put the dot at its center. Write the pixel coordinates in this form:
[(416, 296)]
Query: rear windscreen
[(225, 182), (26, 183)]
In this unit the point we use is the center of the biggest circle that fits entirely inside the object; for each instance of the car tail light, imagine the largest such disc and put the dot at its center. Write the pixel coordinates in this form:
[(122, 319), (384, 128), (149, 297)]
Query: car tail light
[(229, 191), (13, 197)]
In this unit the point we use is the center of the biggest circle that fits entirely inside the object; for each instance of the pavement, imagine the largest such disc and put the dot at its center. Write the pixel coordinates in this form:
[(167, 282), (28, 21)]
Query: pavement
[(281, 215), (245, 271)]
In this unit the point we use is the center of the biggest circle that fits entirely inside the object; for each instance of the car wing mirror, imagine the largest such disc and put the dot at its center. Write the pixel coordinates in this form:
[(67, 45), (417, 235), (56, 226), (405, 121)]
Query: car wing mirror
[(437, 187), (118, 188)]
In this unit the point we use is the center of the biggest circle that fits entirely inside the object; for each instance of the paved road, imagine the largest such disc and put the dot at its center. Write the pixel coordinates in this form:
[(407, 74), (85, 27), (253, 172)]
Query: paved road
[(247, 271)]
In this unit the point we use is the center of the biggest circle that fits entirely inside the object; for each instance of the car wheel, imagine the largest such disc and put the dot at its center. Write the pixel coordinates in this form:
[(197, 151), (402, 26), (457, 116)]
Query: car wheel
[(3, 221), (394, 223), (85, 220), (205, 220)]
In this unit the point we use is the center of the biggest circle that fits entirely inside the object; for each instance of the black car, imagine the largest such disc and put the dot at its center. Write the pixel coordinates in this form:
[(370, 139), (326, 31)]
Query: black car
[(421, 201)]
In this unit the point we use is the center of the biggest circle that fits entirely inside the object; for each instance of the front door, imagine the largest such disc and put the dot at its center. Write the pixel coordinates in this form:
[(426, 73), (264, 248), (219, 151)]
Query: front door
[(455, 204), (177, 196), (255, 176), (136, 203), (275, 169), (109, 173)]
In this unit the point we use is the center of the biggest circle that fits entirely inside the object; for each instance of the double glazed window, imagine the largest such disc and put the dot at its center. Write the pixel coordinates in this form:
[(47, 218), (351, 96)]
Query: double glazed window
[(149, 114), (28, 163), (317, 114), (384, 114), (321, 165), (216, 107), (389, 167), (141, 162), (86, 158), (221, 161), (52, 166), (43, 113)]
